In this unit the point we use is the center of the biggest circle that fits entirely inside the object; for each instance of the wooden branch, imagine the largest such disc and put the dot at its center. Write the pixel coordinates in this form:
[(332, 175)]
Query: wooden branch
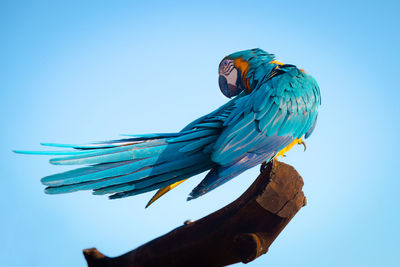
[(239, 232)]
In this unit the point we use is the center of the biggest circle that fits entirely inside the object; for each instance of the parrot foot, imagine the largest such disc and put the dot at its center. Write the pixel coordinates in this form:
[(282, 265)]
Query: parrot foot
[(263, 166), (266, 165), (298, 141)]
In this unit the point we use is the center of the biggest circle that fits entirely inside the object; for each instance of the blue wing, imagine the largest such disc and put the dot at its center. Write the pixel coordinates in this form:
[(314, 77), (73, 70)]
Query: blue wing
[(262, 123)]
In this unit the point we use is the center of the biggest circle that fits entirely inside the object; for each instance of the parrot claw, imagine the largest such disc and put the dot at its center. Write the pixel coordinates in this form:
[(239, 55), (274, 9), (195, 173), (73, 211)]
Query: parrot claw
[(304, 144)]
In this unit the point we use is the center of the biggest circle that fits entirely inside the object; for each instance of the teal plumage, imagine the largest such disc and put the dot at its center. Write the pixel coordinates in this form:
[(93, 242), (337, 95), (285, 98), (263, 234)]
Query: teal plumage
[(272, 105)]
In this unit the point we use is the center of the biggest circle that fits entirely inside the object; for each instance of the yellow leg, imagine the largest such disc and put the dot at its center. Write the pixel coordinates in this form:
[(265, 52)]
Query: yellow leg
[(162, 191), (290, 146)]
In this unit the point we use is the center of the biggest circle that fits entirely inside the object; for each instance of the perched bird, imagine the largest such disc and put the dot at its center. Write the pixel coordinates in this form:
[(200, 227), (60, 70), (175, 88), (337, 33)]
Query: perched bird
[(273, 107)]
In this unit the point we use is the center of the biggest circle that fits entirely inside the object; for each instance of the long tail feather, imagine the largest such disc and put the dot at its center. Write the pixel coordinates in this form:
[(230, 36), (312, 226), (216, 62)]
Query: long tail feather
[(147, 171), (133, 165), (152, 187), (115, 154), (49, 153), (148, 181), (137, 164)]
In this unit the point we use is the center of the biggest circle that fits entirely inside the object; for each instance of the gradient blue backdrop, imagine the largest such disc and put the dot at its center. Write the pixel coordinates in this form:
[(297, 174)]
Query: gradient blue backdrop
[(78, 72)]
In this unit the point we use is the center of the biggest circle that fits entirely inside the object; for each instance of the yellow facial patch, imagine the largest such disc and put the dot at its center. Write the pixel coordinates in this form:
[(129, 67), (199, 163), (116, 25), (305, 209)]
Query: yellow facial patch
[(243, 66)]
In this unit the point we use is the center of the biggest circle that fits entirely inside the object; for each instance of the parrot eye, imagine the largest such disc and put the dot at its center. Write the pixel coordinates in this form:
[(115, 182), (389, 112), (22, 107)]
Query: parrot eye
[(225, 67)]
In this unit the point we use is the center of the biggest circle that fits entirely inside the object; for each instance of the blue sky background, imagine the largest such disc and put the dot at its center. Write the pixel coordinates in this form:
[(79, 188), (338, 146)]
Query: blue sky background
[(77, 72)]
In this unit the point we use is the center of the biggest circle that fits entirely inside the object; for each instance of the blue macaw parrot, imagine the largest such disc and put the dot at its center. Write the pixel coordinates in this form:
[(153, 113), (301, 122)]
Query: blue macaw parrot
[(273, 107)]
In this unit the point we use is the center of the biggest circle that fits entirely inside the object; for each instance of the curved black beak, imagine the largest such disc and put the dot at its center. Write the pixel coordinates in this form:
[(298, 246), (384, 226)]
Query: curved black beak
[(223, 86)]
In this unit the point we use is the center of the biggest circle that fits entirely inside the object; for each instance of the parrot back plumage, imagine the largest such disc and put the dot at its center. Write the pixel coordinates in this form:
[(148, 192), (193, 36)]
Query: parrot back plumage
[(273, 106)]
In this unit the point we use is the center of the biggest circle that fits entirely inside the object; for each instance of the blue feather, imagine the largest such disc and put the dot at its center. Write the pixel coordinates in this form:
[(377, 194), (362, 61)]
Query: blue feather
[(197, 134), (55, 178), (236, 128), (310, 131), (277, 122), (267, 107), (235, 147), (152, 170), (198, 144), (287, 124), (155, 135), (129, 152), (210, 125), (51, 153), (154, 186), (76, 146), (150, 181), (123, 169), (265, 121)]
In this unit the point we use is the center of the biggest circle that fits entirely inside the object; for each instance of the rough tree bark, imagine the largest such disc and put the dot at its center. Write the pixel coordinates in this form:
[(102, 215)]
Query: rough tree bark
[(239, 232)]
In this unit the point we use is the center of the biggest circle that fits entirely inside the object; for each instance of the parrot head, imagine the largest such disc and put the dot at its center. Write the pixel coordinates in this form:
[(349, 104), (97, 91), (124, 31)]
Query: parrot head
[(234, 70), (230, 82)]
